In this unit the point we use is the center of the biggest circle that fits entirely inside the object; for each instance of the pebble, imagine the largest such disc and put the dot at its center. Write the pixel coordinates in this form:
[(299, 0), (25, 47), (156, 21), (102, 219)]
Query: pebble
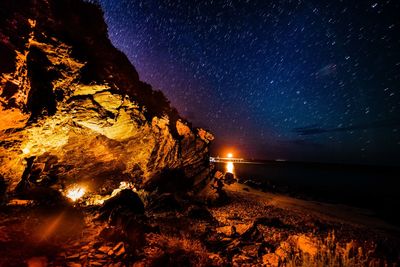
[(104, 249), (73, 257)]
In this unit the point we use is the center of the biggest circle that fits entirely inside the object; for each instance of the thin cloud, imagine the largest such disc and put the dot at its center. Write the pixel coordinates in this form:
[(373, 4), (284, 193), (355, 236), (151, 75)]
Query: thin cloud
[(315, 129)]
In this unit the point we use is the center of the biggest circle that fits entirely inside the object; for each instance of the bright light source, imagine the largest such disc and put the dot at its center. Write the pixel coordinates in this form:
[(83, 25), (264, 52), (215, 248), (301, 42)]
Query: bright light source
[(230, 155), (75, 193), (229, 167), (26, 150)]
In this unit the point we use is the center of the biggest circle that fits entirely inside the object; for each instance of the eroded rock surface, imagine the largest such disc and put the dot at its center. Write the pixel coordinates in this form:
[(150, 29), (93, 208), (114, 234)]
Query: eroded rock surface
[(74, 103)]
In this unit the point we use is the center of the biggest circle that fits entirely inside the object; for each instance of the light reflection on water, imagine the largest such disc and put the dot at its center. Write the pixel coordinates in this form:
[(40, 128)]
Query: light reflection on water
[(229, 167)]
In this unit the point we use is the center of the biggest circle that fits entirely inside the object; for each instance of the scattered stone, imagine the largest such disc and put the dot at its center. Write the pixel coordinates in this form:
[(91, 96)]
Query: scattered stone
[(104, 249), (119, 249), (216, 259), (73, 257), (99, 256), (95, 263), (74, 264), (20, 202), (271, 259), (251, 250), (118, 246), (226, 230), (242, 227), (240, 260)]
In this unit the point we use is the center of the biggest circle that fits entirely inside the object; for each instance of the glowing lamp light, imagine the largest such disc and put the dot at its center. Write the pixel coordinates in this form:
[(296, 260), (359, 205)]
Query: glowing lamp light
[(230, 155), (75, 193)]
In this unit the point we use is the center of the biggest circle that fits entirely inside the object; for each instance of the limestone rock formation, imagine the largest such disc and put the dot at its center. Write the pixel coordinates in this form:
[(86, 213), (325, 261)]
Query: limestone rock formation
[(73, 108)]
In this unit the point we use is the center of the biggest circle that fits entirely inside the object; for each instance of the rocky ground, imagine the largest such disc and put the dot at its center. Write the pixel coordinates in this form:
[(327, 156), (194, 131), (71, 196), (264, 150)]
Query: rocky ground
[(244, 228)]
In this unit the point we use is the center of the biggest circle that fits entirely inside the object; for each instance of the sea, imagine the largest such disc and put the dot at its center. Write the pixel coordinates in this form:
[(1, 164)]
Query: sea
[(376, 188)]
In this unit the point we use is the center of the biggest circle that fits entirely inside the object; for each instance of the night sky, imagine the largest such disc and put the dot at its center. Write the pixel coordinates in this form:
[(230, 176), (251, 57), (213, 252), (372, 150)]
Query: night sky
[(297, 80)]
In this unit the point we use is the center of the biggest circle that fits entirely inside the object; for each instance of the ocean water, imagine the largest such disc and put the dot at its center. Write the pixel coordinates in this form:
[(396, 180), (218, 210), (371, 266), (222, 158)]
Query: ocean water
[(374, 187)]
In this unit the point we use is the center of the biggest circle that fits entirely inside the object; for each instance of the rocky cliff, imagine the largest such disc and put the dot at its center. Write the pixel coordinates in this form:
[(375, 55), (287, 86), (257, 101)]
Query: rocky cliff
[(73, 109)]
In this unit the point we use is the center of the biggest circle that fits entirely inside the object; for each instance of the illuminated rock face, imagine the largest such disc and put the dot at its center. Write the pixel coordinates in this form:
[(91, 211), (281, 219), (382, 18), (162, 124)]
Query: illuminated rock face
[(76, 104)]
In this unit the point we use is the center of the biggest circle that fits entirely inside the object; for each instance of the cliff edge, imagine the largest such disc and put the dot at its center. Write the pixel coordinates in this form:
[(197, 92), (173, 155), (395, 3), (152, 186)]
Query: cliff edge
[(73, 109)]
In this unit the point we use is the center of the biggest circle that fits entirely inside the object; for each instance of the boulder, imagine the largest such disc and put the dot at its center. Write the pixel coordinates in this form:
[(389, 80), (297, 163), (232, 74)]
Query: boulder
[(229, 178), (124, 201)]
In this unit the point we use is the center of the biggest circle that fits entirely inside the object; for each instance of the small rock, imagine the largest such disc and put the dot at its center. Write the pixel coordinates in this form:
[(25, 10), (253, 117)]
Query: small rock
[(216, 259), (119, 249), (271, 259), (74, 264), (104, 249), (99, 256), (240, 260), (83, 257), (226, 230), (251, 250), (118, 246), (73, 257), (306, 245), (242, 227), (20, 202)]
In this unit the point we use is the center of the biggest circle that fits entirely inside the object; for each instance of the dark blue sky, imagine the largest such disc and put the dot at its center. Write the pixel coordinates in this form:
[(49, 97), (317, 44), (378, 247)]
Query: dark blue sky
[(296, 80)]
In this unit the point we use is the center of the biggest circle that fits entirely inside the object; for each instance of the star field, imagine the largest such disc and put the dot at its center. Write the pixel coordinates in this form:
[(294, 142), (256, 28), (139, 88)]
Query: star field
[(296, 80)]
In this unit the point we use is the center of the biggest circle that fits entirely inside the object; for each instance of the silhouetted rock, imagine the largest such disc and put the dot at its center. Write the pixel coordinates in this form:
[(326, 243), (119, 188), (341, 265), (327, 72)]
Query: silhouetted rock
[(126, 200), (229, 178)]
